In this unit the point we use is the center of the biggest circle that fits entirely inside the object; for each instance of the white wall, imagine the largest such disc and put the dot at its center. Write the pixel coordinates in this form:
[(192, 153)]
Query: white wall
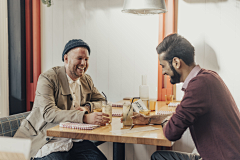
[(122, 49), (4, 104), (122, 45), (213, 27)]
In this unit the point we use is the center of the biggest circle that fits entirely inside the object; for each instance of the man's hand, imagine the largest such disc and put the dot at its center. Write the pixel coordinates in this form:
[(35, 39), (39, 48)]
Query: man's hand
[(168, 117), (82, 109), (165, 121), (97, 118), (155, 119), (138, 118)]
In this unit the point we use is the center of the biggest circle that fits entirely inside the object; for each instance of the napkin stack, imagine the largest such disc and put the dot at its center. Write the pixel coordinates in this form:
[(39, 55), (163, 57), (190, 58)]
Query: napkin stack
[(81, 126), (165, 112), (116, 113), (173, 104), (117, 105)]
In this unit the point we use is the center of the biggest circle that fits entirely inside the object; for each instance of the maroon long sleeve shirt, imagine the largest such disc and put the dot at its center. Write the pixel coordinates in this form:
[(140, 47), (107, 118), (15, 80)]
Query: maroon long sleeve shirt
[(211, 114)]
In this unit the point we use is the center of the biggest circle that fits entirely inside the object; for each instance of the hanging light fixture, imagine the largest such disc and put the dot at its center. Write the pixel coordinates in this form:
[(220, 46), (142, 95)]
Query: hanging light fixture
[(143, 7)]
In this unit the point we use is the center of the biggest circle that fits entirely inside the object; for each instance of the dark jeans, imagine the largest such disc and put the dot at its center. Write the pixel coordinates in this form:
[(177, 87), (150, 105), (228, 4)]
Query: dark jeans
[(171, 155), (85, 150)]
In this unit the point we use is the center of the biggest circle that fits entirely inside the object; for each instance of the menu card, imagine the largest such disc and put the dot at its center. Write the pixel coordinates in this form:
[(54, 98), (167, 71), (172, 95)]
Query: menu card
[(138, 106), (81, 126)]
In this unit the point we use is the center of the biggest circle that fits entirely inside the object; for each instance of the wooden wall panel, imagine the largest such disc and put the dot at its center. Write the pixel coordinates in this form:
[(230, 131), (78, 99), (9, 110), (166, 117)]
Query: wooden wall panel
[(74, 17), (90, 32), (101, 18), (58, 32), (47, 38), (4, 86)]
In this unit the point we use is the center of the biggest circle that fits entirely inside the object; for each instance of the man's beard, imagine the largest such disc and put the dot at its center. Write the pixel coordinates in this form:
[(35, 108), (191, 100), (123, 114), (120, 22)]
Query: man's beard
[(74, 73), (176, 76)]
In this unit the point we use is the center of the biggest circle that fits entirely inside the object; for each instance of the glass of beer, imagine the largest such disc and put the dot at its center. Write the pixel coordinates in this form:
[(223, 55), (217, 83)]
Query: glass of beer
[(145, 112), (127, 113), (107, 108), (97, 110)]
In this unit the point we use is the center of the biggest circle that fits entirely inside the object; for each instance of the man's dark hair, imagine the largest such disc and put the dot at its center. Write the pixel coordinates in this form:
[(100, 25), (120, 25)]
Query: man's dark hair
[(175, 45)]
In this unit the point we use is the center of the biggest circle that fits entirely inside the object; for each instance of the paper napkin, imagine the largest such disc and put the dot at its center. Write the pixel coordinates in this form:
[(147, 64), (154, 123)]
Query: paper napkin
[(81, 126)]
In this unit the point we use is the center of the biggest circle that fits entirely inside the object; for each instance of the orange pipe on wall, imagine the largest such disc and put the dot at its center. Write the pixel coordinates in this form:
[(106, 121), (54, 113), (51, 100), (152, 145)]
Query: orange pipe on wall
[(170, 29), (170, 18), (28, 12), (160, 38), (166, 27), (36, 19), (33, 49)]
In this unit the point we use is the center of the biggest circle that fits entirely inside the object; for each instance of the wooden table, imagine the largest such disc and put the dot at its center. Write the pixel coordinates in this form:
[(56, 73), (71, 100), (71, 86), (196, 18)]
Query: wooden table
[(154, 137)]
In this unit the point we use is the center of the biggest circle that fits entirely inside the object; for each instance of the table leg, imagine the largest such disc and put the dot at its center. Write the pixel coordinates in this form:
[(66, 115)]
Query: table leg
[(163, 148), (118, 151)]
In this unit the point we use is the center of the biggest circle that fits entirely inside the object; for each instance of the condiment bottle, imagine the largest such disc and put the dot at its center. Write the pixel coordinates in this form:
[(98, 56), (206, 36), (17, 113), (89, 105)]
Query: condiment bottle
[(144, 91)]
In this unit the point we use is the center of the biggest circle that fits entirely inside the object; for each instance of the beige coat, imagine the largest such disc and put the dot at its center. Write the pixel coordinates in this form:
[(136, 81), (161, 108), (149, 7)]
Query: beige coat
[(51, 106)]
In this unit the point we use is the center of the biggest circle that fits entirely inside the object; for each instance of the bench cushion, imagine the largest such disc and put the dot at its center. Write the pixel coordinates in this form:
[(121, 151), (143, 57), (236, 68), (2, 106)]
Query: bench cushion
[(10, 124)]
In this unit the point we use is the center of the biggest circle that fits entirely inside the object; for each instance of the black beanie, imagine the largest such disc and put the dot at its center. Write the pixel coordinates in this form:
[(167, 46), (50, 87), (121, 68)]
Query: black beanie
[(73, 44)]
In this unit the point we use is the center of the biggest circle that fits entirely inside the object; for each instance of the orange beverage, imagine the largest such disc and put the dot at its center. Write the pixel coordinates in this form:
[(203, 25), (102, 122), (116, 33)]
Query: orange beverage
[(152, 105), (107, 108), (145, 112), (170, 99), (127, 113), (97, 110)]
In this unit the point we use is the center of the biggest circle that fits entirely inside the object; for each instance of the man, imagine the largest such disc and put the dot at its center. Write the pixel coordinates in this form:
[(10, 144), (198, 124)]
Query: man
[(64, 94), (207, 108)]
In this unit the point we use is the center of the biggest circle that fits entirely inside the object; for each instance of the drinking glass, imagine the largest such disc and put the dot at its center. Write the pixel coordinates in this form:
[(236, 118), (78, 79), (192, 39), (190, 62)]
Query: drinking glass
[(98, 109), (127, 113), (145, 112), (152, 105), (146, 102), (107, 108), (170, 99)]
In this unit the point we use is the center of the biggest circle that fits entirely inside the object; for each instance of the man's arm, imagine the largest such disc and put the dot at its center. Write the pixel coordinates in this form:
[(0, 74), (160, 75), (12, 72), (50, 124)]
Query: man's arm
[(96, 96), (45, 100), (153, 119), (53, 114), (195, 103)]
